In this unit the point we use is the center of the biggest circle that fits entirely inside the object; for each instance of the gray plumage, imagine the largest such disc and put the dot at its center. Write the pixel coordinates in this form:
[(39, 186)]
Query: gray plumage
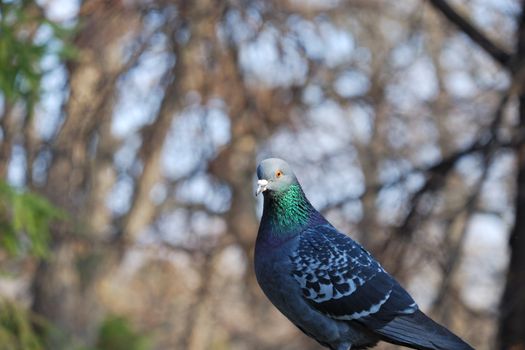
[(328, 285)]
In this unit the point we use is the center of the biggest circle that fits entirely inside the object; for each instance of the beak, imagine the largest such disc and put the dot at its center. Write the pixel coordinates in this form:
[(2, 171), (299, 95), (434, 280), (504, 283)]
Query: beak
[(261, 186)]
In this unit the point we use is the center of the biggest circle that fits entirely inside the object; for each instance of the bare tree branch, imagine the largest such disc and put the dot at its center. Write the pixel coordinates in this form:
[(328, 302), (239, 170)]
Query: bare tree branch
[(454, 245), (467, 27)]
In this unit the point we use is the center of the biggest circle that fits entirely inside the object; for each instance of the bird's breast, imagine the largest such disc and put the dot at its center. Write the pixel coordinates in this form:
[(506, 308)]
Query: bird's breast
[(273, 268)]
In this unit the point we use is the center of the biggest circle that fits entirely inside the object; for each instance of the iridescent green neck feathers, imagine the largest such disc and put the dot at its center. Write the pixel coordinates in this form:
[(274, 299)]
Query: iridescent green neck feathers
[(286, 213)]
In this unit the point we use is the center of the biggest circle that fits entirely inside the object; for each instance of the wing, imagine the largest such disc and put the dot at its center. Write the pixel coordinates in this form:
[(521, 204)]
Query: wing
[(341, 279)]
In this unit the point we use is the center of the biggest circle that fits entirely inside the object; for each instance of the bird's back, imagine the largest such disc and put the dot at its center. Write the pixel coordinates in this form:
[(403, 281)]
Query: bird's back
[(340, 279)]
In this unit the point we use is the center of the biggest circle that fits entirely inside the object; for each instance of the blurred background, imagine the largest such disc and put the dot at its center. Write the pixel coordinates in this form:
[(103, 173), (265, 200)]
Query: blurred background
[(130, 133)]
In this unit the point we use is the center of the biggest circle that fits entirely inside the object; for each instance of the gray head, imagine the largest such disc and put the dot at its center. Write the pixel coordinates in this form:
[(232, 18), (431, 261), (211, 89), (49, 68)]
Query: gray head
[(275, 175)]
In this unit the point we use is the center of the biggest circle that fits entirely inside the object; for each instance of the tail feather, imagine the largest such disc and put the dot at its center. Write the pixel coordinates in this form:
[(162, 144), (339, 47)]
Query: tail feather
[(418, 331)]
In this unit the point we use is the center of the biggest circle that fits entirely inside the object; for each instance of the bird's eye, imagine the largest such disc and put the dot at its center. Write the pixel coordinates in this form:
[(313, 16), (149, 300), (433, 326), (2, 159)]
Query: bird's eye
[(278, 174)]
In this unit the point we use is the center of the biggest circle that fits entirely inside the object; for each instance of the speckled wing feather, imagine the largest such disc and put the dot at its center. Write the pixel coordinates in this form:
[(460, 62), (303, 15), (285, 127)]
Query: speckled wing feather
[(341, 279)]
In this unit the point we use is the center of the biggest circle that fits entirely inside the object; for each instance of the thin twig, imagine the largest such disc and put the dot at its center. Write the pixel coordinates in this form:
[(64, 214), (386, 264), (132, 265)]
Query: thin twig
[(474, 33)]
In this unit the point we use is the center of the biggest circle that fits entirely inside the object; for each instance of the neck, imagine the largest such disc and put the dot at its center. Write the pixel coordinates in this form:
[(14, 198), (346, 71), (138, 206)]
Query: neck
[(286, 214)]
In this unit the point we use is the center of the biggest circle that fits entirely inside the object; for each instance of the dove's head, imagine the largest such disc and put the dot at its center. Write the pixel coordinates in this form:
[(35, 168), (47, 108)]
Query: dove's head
[(275, 176)]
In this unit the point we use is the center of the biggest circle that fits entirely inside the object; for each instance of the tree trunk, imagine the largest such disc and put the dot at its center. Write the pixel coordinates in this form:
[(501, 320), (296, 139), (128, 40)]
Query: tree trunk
[(512, 308), (512, 318), (64, 284)]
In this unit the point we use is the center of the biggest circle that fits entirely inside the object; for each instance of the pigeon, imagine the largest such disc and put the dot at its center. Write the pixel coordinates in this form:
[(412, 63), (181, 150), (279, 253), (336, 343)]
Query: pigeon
[(327, 284)]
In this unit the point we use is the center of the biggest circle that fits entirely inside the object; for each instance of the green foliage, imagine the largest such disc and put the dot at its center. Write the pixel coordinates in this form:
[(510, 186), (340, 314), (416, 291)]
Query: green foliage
[(18, 332), (117, 334), (21, 54), (16, 329), (24, 221)]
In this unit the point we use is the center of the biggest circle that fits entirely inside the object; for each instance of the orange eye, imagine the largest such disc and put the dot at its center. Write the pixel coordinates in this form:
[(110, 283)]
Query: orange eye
[(278, 173)]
